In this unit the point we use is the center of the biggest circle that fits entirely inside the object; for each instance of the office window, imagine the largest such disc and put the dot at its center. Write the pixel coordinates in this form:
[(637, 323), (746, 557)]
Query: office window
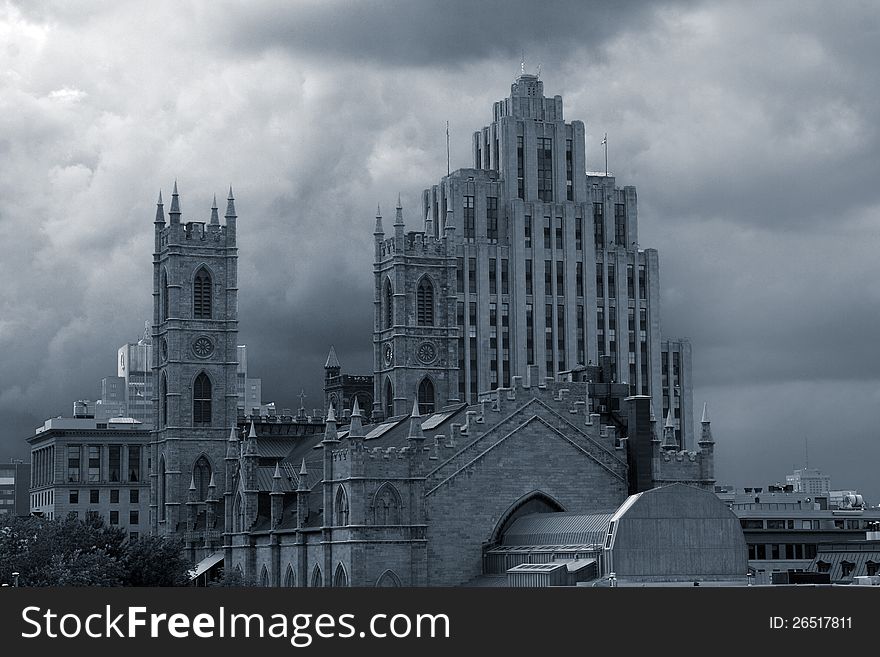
[(114, 496), (73, 462), (581, 334), (493, 279), (530, 334), (548, 278), (133, 518), (528, 231), (470, 230), (643, 283), (529, 285), (545, 169), (134, 463), (94, 496), (520, 178), (505, 343), (459, 274), (492, 218), (579, 283), (505, 277), (548, 337), (74, 497), (612, 285), (94, 463), (620, 224), (560, 336), (600, 286), (630, 283), (560, 278), (599, 225), (134, 496), (569, 172), (559, 233), (114, 462), (579, 234), (114, 517), (547, 227), (472, 275)]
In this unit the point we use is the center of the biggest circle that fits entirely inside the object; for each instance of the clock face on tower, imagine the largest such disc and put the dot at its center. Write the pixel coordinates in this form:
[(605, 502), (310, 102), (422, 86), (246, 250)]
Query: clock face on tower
[(388, 353), (203, 347), (427, 353)]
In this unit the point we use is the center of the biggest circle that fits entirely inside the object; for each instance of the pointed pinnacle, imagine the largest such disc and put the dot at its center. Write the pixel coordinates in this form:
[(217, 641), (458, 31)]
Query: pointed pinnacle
[(332, 360), (233, 436), (331, 415), (192, 482), (230, 205), (211, 483), (214, 218), (415, 411), (669, 421), (378, 208), (303, 470), (160, 211), (175, 201), (277, 474), (399, 204), (355, 409), (253, 433), (705, 418)]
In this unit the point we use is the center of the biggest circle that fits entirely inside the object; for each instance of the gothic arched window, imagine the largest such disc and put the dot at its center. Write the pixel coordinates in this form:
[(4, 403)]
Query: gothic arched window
[(425, 303), (426, 397), (389, 304), (340, 579), (317, 577), (202, 477), (289, 577), (202, 294), (386, 506), (202, 399), (389, 399), (340, 508)]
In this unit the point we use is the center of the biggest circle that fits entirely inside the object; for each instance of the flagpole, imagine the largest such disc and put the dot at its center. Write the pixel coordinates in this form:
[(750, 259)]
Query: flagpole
[(605, 144)]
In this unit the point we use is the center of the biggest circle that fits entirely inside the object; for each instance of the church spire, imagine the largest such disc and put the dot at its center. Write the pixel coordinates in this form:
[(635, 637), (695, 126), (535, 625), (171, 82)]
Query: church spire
[(398, 213), (355, 428), (215, 219), (415, 423), (378, 231), (332, 360), (706, 431), (330, 435), (669, 441)]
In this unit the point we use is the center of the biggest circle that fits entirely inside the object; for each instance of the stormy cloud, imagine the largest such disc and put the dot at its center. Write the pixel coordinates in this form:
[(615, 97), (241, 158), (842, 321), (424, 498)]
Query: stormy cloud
[(749, 130)]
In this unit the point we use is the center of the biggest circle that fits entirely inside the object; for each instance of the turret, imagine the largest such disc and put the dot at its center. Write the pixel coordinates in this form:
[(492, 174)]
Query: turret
[(302, 496), (669, 441), (378, 233), (159, 222), (174, 212), (211, 507), (356, 429), (706, 439), (192, 505), (398, 222), (331, 366), (276, 497), (215, 219), (330, 435), (415, 424), (230, 217)]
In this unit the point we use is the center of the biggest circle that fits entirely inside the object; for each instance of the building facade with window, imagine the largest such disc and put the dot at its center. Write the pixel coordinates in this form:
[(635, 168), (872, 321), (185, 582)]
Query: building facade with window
[(543, 267), (85, 467), (14, 480)]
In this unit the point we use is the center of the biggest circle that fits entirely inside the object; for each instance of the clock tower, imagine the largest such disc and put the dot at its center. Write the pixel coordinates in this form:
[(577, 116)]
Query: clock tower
[(195, 335), (415, 335)]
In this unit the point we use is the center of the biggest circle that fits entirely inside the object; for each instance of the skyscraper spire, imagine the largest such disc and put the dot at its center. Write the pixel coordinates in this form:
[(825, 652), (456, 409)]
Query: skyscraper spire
[(215, 219)]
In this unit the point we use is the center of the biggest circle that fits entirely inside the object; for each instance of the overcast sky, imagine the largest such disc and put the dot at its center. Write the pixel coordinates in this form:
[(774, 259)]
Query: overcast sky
[(749, 130)]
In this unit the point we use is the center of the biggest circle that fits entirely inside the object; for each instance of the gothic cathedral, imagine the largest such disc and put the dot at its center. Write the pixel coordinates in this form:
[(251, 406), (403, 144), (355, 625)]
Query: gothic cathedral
[(195, 331)]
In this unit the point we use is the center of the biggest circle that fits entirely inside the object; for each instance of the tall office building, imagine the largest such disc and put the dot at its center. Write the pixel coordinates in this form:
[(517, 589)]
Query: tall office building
[(134, 366), (544, 264)]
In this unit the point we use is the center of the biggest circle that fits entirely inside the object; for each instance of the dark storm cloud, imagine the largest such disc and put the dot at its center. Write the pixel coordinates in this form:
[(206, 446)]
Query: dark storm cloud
[(748, 128), (432, 33)]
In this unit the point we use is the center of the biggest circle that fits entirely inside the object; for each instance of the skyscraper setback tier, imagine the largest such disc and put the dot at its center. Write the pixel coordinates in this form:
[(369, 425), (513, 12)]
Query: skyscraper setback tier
[(533, 260)]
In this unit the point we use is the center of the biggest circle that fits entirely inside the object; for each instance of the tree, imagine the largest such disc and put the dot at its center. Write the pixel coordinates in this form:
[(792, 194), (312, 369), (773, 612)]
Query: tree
[(70, 552)]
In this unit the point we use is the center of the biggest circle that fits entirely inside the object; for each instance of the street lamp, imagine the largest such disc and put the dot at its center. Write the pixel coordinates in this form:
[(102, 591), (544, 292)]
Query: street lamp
[(15, 578)]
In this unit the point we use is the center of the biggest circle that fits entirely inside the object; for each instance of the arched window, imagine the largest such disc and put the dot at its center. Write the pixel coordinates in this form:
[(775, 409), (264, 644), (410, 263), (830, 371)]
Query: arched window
[(163, 401), (202, 399), (264, 577), (389, 304), (388, 579), (389, 399), (426, 397), (289, 577), (340, 508), (202, 477), (386, 505), (340, 579), (161, 489), (202, 294), (163, 291), (425, 302), (317, 578)]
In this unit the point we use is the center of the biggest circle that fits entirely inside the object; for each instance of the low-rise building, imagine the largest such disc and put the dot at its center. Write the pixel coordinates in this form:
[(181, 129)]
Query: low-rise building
[(83, 467)]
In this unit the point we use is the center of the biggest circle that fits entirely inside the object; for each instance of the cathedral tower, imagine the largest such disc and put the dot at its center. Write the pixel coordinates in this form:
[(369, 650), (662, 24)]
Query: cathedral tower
[(415, 333), (195, 331)]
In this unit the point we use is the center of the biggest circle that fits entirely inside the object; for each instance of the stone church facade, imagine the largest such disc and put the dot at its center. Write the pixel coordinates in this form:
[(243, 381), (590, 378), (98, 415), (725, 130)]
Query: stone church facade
[(417, 495)]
